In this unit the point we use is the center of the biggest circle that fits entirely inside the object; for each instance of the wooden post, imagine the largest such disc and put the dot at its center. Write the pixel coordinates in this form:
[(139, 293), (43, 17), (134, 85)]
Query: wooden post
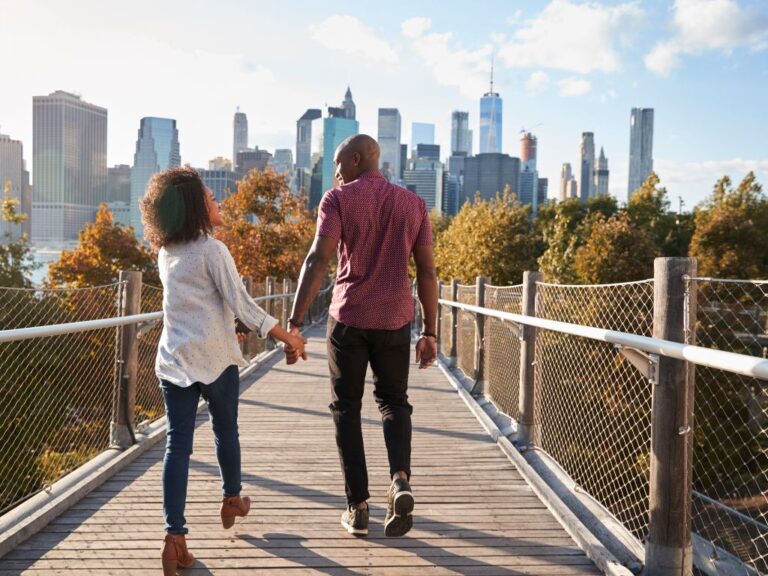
[(668, 551), (526, 402), (479, 387), (122, 426), (454, 322), (269, 290), (245, 346), (439, 316), (287, 301)]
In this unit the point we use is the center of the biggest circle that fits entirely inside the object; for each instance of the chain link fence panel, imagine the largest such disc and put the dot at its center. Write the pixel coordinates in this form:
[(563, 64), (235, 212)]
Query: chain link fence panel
[(730, 471), (55, 392), (592, 406), (465, 333), (445, 321), (149, 397), (502, 349)]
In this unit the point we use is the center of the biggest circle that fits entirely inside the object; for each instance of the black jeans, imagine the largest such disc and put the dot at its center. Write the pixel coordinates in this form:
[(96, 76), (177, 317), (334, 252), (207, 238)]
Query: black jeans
[(349, 352)]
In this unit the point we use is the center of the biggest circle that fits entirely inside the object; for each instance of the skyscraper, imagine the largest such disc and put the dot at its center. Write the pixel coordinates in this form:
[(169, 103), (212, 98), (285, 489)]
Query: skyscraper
[(640, 147), (11, 175), (425, 178), (119, 184), (304, 138), (490, 174), (389, 141), (349, 105), (529, 176), (69, 151), (422, 133), (282, 161), (601, 175), (427, 152), (157, 149), (336, 129), (252, 159), (567, 183), (542, 190), (461, 135), (240, 134), (221, 181), (490, 121), (586, 166)]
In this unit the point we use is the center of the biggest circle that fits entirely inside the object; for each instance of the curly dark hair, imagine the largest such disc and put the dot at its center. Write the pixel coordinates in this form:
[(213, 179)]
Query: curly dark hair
[(174, 209)]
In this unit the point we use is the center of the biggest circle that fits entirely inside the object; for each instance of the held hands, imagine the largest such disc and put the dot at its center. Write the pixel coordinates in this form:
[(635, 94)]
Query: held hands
[(295, 349), (426, 351)]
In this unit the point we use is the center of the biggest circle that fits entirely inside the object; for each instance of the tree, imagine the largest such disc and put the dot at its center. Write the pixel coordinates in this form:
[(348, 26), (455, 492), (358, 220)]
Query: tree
[(561, 226), (648, 208), (16, 262), (267, 228), (615, 251), (730, 239), (104, 249), (491, 238), (439, 222)]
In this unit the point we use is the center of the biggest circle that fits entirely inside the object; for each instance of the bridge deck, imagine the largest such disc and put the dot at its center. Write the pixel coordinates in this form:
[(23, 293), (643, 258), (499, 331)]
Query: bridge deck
[(474, 513)]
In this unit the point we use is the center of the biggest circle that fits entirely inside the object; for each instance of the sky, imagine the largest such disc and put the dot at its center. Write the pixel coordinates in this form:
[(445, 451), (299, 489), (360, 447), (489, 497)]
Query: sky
[(562, 67)]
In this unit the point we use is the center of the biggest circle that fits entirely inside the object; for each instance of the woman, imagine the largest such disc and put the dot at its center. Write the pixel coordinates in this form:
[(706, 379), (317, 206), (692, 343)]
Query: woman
[(198, 354)]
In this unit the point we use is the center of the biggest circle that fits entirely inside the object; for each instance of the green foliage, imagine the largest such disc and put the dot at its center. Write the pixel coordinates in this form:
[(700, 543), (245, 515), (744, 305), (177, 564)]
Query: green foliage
[(491, 238), (16, 262), (730, 239), (104, 249), (561, 227), (615, 251), (648, 208)]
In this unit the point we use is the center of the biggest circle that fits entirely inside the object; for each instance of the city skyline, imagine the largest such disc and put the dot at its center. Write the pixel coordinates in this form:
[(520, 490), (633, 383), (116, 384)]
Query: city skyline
[(425, 61)]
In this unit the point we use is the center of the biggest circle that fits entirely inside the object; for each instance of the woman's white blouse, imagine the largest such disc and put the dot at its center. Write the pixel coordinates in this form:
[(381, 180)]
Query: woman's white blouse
[(202, 293)]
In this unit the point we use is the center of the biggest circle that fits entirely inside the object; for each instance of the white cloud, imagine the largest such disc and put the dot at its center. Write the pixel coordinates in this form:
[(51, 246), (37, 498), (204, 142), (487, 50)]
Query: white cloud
[(415, 27), (709, 171), (347, 34), (610, 94), (451, 65), (537, 82), (574, 86), (578, 37), (707, 25)]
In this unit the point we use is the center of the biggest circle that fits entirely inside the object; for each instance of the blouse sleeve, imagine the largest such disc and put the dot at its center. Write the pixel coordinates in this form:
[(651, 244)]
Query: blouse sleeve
[(222, 269)]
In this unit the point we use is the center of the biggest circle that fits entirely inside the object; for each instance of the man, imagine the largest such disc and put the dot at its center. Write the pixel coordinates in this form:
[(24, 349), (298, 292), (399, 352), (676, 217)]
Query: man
[(376, 227)]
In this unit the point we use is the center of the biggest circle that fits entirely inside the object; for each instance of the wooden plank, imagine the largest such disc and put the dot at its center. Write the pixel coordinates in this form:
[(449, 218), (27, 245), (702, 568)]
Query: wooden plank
[(474, 513)]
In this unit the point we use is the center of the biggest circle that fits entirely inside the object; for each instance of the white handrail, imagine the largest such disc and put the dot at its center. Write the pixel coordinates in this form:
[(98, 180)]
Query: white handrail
[(17, 334), (719, 359)]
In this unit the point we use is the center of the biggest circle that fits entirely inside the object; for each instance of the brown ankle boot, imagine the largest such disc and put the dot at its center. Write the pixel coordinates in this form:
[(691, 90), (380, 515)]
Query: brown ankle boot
[(175, 554), (232, 507)]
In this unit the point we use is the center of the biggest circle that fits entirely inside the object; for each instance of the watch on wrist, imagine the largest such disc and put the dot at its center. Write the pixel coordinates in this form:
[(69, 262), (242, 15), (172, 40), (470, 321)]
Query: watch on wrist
[(428, 334), (295, 323)]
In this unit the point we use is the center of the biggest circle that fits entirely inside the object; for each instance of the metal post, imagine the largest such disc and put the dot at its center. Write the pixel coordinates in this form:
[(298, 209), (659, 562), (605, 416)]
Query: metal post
[(286, 303), (526, 402), (454, 322), (269, 290), (479, 387), (668, 551), (121, 431)]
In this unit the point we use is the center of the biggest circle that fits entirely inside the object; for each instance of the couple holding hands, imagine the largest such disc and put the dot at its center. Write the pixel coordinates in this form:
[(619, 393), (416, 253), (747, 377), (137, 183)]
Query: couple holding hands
[(375, 227)]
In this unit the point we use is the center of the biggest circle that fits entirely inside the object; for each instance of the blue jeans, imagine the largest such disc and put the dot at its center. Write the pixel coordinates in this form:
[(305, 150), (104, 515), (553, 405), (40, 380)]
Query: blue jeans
[(181, 408)]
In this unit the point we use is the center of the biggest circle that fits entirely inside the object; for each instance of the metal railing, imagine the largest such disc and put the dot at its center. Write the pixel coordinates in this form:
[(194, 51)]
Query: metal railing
[(77, 374), (583, 397)]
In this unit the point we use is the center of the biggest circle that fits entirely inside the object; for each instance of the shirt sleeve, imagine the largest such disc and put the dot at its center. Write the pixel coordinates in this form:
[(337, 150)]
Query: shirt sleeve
[(222, 268), (424, 237), (329, 217)]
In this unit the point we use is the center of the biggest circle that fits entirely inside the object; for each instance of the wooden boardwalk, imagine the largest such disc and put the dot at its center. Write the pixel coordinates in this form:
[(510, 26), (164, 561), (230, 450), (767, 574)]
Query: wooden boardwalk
[(474, 513)]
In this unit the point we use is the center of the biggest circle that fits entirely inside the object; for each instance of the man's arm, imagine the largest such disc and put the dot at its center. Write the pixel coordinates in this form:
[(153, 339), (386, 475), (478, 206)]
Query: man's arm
[(312, 273), (426, 283)]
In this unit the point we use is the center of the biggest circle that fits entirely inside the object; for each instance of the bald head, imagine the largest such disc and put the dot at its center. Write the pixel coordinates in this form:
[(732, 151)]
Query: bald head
[(357, 154)]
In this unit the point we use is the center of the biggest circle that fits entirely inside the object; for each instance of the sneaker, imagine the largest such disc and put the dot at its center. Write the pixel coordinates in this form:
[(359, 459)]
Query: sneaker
[(399, 509), (355, 521)]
